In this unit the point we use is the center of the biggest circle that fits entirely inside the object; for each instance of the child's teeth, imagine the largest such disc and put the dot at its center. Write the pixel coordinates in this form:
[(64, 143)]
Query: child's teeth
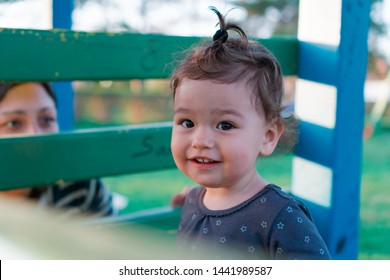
[(203, 160)]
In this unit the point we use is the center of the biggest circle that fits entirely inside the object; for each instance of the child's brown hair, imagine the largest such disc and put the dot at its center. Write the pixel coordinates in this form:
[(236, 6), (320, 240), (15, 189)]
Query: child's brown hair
[(232, 60)]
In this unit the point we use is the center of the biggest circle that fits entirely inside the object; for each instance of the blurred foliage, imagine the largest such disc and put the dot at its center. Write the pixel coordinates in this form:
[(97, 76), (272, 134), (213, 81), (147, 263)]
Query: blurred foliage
[(10, 1), (377, 24), (151, 87), (277, 17), (266, 18)]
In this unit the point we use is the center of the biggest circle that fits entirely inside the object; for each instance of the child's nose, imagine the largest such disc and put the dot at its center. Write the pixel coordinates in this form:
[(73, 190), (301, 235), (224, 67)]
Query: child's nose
[(203, 138)]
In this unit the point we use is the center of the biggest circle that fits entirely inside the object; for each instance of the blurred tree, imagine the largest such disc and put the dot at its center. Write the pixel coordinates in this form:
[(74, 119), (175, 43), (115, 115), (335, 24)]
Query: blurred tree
[(378, 27), (268, 18), (280, 18), (9, 1)]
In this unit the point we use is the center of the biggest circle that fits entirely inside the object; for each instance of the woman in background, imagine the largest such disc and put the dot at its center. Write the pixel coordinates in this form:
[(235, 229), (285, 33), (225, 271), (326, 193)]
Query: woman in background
[(30, 108)]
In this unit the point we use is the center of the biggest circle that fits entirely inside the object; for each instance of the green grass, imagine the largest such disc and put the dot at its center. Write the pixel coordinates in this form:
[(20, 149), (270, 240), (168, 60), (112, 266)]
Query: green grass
[(374, 238), (154, 189)]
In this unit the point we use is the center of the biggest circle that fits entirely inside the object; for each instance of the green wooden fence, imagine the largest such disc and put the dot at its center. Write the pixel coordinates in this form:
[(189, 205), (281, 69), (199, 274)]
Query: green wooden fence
[(62, 55), (37, 55)]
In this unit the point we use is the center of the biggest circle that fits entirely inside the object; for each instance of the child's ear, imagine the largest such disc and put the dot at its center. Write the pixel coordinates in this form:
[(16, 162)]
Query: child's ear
[(271, 138)]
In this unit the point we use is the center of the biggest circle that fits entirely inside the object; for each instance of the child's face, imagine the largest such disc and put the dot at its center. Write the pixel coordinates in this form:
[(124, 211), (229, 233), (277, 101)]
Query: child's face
[(218, 134), (27, 109)]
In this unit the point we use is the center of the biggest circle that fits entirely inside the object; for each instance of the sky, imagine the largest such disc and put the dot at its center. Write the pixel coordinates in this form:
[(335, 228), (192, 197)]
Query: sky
[(169, 17)]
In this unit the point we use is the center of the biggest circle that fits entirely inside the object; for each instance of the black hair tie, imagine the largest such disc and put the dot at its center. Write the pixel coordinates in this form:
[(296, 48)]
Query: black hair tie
[(221, 33)]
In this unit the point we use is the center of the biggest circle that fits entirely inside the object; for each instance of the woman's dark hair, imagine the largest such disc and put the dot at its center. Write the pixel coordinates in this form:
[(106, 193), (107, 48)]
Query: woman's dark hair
[(239, 60), (6, 86)]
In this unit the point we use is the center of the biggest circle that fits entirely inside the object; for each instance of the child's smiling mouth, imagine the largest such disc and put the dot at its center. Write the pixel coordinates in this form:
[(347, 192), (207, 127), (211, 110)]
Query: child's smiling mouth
[(203, 161)]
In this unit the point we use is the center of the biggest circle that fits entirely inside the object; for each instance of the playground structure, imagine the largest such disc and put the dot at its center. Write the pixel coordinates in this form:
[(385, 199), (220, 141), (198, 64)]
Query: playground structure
[(330, 150)]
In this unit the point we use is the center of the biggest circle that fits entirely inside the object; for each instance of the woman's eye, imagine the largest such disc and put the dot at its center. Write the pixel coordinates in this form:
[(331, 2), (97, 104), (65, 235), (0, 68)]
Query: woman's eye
[(13, 124), (46, 121), (225, 126), (187, 124)]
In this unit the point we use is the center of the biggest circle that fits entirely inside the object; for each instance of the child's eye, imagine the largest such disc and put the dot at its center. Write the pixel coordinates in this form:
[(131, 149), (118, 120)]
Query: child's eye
[(187, 124), (225, 126)]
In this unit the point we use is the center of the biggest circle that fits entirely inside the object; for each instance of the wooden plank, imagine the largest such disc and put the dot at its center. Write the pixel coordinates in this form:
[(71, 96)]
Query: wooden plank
[(318, 63), (315, 144), (348, 131), (345, 68), (165, 217), (41, 160), (53, 55), (62, 18)]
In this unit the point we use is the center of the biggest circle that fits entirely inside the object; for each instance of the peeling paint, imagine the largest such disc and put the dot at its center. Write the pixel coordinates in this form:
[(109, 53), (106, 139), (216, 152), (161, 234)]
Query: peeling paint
[(60, 182), (63, 37)]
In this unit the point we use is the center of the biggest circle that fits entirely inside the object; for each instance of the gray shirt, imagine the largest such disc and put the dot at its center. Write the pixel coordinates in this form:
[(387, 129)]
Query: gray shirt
[(270, 225)]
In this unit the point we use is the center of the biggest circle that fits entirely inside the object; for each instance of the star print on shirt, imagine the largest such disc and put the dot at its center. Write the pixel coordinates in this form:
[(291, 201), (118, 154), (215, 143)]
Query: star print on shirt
[(251, 249), (244, 228), (263, 200), (288, 225), (193, 248)]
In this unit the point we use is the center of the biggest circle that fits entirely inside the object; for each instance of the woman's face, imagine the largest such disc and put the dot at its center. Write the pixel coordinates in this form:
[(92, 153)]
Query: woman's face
[(27, 109)]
